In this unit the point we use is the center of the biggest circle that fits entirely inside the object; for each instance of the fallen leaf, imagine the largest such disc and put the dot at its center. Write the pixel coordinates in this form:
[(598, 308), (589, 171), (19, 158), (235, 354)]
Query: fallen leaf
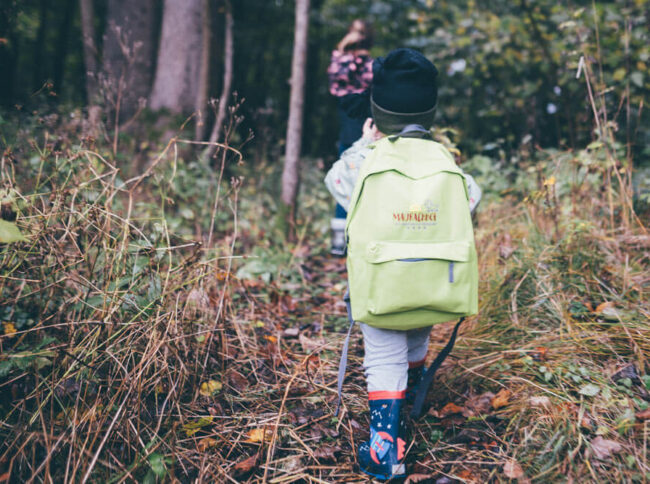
[(193, 427), (327, 452), (449, 409), (602, 306), (309, 345), (604, 448), (512, 469), (501, 399), (291, 332), (4, 477), (506, 249), (9, 328), (246, 465), (205, 443), (589, 390), (608, 311), (258, 435), (541, 401), (628, 371), (10, 233), (466, 475), (210, 387), (272, 339), (417, 478), (644, 414), (478, 405), (237, 381)]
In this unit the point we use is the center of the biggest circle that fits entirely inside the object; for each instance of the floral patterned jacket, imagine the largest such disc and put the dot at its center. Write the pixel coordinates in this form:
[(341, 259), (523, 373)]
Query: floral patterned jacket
[(349, 73)]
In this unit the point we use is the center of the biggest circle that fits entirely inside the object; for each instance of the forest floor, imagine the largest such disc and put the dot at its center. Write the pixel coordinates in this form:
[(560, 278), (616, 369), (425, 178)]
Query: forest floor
[(132, 354)]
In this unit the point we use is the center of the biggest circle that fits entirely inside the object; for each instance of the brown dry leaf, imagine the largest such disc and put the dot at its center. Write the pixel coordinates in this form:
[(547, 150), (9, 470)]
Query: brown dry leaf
[(501, 399), (506, 249), (466, 475), (4, 477), (417, 478), (644, 414), (449, 409), (512, 469), (205, 443), (603, 306), (604, 448), (270, 338), (327, 452), (258, 435), (478, 405), (309, 345), (541, 401), (237, 381), (246, 465)]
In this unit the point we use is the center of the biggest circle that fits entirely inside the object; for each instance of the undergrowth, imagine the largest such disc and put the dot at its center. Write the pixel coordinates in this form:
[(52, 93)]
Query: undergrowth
[(157, 327)]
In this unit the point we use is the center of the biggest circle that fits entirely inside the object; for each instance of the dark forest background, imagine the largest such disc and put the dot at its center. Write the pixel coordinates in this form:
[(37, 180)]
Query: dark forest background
[(509, 68)]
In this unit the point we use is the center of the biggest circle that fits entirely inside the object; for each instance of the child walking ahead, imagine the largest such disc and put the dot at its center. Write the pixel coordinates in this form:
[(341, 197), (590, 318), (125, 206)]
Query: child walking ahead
[(411, 255)]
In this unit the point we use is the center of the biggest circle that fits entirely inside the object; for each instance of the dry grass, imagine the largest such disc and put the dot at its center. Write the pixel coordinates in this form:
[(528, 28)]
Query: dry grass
[(120, 321)]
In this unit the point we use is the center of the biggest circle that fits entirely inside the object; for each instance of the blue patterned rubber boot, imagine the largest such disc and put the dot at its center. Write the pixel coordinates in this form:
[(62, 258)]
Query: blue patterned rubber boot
[(383, 456)]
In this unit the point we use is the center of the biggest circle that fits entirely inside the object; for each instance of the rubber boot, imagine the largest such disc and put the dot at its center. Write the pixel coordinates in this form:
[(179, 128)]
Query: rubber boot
[(416, 370), (383, 456), (338, 237)]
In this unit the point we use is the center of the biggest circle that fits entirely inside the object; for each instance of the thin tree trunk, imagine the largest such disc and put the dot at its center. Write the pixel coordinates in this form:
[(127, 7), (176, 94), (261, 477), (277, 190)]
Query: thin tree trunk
[(40, 46), (128, 54), (202, 97), (228, 58), (290, 174), (62, 44), (176, 84), (90, 49)]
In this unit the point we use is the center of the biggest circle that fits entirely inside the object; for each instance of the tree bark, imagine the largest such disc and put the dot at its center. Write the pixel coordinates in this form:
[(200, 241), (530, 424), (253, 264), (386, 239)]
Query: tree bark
[(290, 174), (39, 47), (228, 60), (89, 49), (62, 44), (176, 84), (204, 77), (128, 54)]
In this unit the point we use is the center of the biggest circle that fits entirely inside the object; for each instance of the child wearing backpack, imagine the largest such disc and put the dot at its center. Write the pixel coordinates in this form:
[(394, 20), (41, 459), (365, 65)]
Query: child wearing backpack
[(411, 255)]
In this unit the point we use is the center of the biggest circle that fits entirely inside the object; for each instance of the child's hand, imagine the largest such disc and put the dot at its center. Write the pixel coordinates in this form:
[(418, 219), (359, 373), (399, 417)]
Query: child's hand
[(370, 130)]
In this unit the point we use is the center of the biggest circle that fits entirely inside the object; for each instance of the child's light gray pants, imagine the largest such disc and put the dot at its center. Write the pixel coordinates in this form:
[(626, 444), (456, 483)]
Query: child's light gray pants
[(388, 354)]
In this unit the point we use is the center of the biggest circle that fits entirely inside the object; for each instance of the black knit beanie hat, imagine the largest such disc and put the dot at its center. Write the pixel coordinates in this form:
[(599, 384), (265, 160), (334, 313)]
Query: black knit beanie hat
[(404, 90)]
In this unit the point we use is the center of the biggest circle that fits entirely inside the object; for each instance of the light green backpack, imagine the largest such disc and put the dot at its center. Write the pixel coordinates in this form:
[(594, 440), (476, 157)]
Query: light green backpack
[(411, 255)]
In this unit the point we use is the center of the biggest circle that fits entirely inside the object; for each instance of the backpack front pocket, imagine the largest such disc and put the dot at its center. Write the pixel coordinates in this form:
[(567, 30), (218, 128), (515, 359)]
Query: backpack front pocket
[(404, 276)]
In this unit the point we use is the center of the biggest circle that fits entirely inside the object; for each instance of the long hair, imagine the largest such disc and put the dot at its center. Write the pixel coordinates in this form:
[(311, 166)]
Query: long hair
[(363, 28)]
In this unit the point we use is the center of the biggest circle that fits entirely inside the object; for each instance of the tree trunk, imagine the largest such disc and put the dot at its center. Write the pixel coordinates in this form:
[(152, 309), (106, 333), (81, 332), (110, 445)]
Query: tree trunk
[(62, 44), (204, 78), (128, 54), (90, 49), (291, 170), (39, 47), (228, 58), (176, 85)]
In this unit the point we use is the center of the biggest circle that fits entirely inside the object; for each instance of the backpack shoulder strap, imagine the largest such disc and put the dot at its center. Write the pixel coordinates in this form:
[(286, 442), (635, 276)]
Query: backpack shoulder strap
[(343, 363), (427, 378)]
